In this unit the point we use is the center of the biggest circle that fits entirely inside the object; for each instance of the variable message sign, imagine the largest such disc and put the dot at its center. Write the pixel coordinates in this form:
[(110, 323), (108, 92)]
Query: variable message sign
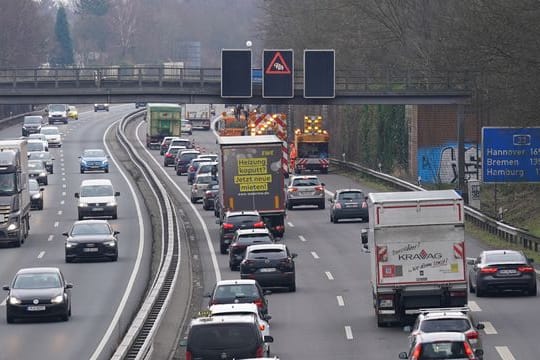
[(278, 77), (319, 74), (236, 74)]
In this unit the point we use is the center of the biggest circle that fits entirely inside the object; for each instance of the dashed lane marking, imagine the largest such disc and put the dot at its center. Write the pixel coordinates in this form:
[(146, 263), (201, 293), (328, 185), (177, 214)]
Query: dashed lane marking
[(290, 224), (329, 275), (314, 254), (537, 271), (50, 238), (56, 223), (504, 353), (63, 179), (3, 303), (340, 301), (63, 174), (348, 333), (62, 202), (41, 254), (59, 212), (473, 305), (303, 239), (489, 328), (64, 185), (63, 193)]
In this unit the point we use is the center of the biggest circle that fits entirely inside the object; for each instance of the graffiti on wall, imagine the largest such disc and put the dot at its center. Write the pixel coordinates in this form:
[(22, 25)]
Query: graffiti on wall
[(439, 164)]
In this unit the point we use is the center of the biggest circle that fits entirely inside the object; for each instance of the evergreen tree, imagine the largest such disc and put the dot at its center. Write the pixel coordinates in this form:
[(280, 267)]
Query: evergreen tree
[(64, 53)]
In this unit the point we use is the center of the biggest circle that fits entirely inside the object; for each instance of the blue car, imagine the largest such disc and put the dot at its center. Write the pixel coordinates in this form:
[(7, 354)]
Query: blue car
[(94, 159)]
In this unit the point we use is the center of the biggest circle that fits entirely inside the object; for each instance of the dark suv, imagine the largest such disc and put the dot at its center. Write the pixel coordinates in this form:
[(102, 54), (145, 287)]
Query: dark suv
[(31, 124), (182, 160), (239, 291), (242, 239), (234, 220), (348, 204)]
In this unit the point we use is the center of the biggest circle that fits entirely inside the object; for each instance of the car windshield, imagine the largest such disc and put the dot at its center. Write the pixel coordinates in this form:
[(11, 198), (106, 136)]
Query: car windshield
[(32, 120), (222, 336), (94, 153), (305, 182), (90, 229), (351, 195), (35, 165), (39, 155), (35, 146), (185, 143), (37, 136), (96, 190), (253, 238), (204, 179), (37, 281), (443, 350), (49, 131), (57, 107), (175, 150), (188, 156), (33, 185), (242, 219), (270, 254), (507, 257), (451, 325), (8, 183), (232, 292)]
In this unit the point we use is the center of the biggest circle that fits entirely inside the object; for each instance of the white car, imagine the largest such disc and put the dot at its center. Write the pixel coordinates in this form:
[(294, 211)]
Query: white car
[(244, 309), (53, 135), (41, 137), (186, 126)]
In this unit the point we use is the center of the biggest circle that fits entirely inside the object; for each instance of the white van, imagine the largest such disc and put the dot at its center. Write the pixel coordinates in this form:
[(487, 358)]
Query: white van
[(97, 198)]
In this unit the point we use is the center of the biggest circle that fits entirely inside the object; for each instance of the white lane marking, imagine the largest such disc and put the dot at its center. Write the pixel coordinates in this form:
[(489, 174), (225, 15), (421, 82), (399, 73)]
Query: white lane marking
[(63, 179), (303, 239), (62, 202), (340, 301), (63, 193), (63, 174), (348, 333), (56, 223), (537, 271), (314, 254), (113, 326), (59, 212), (290, 224), (489, 328), (329, 275), (504, 353), (473, 305), (50, 238), (3, 303), (41, 254), (64, 186)]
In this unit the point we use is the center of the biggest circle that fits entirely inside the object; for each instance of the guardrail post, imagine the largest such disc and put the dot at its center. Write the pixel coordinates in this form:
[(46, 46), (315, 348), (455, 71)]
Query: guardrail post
[(15, 78), (35, 78), (139, 76), (160, 72), (201, 76), (77, 78), (55, 78)]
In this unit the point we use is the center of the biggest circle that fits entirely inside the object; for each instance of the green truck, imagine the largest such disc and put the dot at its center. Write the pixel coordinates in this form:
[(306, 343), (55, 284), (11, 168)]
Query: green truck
[(162, 120)]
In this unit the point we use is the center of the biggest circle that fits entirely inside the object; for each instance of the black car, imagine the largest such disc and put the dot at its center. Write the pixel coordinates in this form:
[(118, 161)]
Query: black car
[(32, 124), (496, 270), (244, 238), (140, 104), (209, 196), (36, 194), (170, 155), (44, 156), (239, 291), (91, 239), (38, 293), (271, 265), (234, 220), (182, 160), (37, 170), (348, 204)]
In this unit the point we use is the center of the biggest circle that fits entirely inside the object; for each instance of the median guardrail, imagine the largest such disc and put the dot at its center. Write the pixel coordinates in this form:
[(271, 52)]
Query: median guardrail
[(497, 228)]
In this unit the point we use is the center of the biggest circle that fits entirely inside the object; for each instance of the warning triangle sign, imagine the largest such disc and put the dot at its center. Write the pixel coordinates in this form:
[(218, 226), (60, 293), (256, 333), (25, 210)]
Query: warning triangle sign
[(277, 66)]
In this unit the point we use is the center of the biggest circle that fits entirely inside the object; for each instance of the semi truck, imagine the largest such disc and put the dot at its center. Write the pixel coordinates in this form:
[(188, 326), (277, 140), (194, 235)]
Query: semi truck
[(162, 120), (251, 178), (416, 241), (199, 115), (14, 192), (309, 150)]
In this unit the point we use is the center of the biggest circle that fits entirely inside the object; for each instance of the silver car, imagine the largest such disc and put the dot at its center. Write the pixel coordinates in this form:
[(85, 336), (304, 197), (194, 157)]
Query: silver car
[(305, 190), (200, 185)]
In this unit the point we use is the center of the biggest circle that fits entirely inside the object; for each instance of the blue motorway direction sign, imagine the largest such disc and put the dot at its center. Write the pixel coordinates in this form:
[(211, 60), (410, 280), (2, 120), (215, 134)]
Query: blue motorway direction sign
[(236, 73), (510, 154)]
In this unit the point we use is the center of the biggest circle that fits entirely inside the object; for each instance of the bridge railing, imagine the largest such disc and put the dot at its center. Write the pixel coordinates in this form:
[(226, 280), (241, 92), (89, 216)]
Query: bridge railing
[(499, 229)]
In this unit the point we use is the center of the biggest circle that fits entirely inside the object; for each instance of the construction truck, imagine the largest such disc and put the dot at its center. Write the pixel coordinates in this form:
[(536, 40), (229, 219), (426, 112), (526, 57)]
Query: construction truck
[(14, 192), (232, 124), (162, 120), (199, 115), (416, 242), (309, 151)]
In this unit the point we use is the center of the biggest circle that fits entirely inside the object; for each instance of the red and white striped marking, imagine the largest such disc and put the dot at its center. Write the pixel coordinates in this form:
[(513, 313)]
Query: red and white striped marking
[(459, 250), (382, 253)]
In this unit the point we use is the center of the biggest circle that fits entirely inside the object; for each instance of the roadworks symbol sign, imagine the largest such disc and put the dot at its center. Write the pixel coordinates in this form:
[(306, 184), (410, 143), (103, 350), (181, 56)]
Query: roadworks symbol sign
[(278, 66)]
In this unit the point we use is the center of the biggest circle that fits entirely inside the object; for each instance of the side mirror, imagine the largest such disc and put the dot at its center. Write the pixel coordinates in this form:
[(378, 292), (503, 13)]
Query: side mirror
[(218, 221), (471, 261), (330, 200), (5, 287), (403, 355), (267, 317), (407, 329), (267, 292), (69, 286), (294, 255), (77, 195), (479, 353), (207, 295), (65, 233), (116, 232), (183, 342), (531, 260), (480, 326), (268, 339), (364, 236), (323, 184), (41, 189), (117, 193)]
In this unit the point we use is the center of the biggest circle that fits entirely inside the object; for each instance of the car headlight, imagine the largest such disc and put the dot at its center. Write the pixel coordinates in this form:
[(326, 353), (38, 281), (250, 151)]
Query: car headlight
[(70, 245), (111, 243), (83, 204), (14, 301), (12, 226), (36, 196), (111, 203), (83, 161), (57, 299), (42, 174), (105, 162)]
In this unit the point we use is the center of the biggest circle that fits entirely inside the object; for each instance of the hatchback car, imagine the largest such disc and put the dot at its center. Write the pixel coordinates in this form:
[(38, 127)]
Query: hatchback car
[(37, 293), (140, 104), (44, 156), (97, 198), (37, 145), (187, 143), (209, 196), (441, 345), (244, 238), (239, 291), (170, 154), (53, 135), (207, 168), (192, 169), (305, 190), (272, 265), (448, 320), (186, 126), (497, 270), (210, 157), (234, 220), (36, 194), (94, 160), (73, 113), (101, 107), (38, 171), (182, 160), (39, 136), (348, 204), (91, 239), (201, 183), (31, 124)]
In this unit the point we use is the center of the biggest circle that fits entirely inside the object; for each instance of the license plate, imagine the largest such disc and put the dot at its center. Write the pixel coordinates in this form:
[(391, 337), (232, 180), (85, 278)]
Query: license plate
[(36, 308), (267, 270), (90, 249), (97, 209), (508, 272), (351, 205), (305, 193)]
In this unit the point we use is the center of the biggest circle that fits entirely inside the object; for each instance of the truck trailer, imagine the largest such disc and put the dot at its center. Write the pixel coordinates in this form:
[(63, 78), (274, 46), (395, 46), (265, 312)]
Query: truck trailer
[(251, 178), (199, 115), (162, 120), (417, 248), (14, 192)]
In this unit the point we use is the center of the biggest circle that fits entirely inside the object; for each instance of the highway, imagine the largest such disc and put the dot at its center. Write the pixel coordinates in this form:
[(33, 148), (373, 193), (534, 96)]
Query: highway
[(331, 314), (101, 308)]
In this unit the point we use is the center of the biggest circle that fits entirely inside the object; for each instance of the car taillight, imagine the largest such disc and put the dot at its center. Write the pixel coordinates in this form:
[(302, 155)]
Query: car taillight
[(364, 205), (262, 327), (468, 350), (248, 262), (259, 224), (259, 303), (169, 155), (191, 168), (260, 352), (227, 226), (472, 335), (292, 189), (488, 270), (319, 188), (280, 228), (195, 187), (188, 355), (208, 194), (417, 352), (526, 269), (338, 206)]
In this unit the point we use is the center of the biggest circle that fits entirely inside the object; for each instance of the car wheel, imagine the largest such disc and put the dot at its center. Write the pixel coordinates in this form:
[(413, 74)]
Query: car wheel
[(165, 164), (80, 216), (114, 258), (532, 291), (322, 205), (335, 220), (292, 287), (69, 260), (9, 318), (193, 200), (223, 249), (289, 206), (46, 182), (472, 290), (204, 206), (479, 292), (40, 207), (115, 215), (82, 171), (65, 317), (106, 170)]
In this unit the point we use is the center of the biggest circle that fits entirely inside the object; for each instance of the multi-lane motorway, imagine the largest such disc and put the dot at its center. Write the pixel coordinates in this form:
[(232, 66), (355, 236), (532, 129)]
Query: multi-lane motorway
[(330, 316)]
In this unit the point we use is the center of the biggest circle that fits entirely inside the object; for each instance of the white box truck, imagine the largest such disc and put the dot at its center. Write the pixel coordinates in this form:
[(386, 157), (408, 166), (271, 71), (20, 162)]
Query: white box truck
[(417, 248)]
